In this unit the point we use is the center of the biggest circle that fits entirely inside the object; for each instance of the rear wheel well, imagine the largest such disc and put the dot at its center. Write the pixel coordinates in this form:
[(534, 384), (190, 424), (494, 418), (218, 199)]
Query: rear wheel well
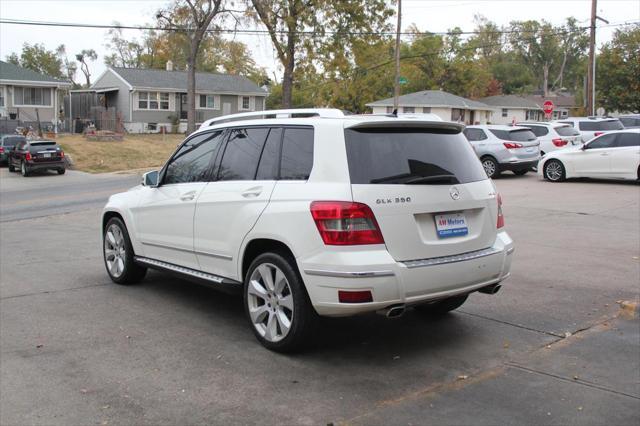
[(108, 216), (263, 245)]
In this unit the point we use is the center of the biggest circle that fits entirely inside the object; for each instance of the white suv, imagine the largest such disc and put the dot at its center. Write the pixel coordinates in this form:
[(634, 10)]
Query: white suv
[(315, 212), (590, 127), (553, 136)]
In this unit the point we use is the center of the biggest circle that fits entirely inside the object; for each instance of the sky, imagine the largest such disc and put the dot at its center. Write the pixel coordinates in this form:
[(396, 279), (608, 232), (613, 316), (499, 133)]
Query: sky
[(428, 15)]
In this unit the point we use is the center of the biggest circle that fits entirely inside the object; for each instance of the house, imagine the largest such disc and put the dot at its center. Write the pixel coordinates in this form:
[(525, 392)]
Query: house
[(510, 108), (29, 96), (564, 104), (445, 105), (147, 100)]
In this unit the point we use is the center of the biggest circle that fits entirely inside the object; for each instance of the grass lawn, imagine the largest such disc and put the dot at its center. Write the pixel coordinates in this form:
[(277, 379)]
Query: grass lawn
[(134, 152)]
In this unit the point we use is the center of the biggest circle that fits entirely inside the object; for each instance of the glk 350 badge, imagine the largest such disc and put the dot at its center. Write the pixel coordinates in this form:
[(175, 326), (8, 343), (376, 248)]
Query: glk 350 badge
[(398, 200)]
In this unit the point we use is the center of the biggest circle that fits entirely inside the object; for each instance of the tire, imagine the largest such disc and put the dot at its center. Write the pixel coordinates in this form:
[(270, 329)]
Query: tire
[(490, 167), (118, 254), (520, 172), (554, 171), (272, 306), (442, 307), (24, 170), (11, 168), (61, 171)]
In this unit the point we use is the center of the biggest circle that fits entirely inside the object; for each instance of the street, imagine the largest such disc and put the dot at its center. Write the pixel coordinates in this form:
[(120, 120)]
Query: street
[(559, 344)]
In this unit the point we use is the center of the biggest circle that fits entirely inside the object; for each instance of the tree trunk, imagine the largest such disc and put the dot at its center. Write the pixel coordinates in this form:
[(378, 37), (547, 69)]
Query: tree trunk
[(191, 88), (287, 84), (545, 81)]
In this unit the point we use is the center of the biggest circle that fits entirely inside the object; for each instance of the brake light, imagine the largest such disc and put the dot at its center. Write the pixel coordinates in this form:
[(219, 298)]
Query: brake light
[(512, 145), (27, 156), (598, 133), (1, 149), (500, 223), (354, 296), (343, 223), (61, 154), (559, 142)]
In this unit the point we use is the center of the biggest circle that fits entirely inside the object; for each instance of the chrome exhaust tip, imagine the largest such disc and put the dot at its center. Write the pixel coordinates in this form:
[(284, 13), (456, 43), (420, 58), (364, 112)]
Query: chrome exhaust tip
[(392, 311), (490, 289)]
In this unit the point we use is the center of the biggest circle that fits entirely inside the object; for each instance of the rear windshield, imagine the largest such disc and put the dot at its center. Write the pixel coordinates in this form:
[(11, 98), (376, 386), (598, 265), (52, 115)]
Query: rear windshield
[(410, 156), (41, 143), (520, 135), (601, 125), (630, 121), (12, 140), (567, 131)]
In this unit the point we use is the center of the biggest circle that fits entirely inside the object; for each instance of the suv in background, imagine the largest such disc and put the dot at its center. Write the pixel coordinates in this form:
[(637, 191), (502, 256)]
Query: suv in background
[(7, 142), (590, 127), (31, 155), (631, 121), (503, 148), (311, 212), (553, 136)]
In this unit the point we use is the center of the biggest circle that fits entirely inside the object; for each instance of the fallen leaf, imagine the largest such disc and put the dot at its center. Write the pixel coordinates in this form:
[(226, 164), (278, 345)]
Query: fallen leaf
[(463, 377), (567, 334), (39, 346)]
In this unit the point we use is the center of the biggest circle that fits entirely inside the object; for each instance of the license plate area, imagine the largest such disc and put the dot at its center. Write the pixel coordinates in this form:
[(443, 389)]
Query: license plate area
[(451, 225), (47, 155)]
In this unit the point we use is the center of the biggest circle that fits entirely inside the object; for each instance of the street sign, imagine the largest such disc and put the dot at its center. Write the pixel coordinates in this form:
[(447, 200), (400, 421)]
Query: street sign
[(403, 80), (547, 107), (600, 111)]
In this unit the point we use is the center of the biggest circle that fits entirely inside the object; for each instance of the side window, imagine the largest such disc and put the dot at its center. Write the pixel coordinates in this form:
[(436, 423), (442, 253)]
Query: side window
[(628, 139), (268, 167), (475, 135), (605, 141), (297, 154), (192, 161), (241, 156)]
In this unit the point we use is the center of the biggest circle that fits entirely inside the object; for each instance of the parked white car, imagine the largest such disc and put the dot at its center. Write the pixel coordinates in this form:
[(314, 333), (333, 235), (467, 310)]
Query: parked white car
[(553, 136), (316, 212), (590, 127), (615, 155)]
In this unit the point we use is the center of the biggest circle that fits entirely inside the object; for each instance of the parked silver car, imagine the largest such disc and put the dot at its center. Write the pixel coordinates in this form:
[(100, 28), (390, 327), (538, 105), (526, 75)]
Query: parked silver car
[(502, 148)]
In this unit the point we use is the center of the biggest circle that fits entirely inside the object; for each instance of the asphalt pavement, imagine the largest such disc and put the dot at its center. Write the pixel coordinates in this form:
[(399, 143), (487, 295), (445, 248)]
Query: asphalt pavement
[(559, 344)]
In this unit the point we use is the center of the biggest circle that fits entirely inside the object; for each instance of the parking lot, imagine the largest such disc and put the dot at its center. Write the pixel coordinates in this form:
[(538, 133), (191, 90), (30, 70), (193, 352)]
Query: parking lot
[(559, 344)]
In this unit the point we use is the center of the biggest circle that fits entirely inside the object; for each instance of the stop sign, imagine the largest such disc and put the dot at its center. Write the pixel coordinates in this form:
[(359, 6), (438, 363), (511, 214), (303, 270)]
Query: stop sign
[(547, 107)]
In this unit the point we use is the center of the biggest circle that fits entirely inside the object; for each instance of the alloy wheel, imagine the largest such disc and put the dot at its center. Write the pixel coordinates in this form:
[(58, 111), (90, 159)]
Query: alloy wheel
[(553, 170), (270, 302), (114, 250), (489, 167)]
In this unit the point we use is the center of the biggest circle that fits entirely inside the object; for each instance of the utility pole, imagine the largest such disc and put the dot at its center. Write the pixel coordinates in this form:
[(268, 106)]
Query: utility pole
[(590, 93), (396, 86)]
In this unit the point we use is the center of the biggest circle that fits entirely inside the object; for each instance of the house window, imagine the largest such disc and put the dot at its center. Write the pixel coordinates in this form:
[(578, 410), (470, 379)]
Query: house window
[(246, 102), (457, 114), (389, 110), (426, 110), (505, 112), (408, 110), (32, 96), (153, 100), (1, 96), (209, 102)]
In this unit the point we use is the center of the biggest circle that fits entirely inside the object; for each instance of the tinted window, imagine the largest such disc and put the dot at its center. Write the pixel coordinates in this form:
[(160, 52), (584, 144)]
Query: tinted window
[(606, 141), (410, 156), (268, 167), (628, 139), (570, 123), (241, 156), (567, 131), (191, 162), (12, 140), (538, 130), (601, 125), (42, 143), (630, 121), (474, 135), (520, 135), (297, 154)]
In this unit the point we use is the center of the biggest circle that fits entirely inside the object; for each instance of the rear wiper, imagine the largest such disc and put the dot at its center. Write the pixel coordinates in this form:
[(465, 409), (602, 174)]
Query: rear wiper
[(432, 178)]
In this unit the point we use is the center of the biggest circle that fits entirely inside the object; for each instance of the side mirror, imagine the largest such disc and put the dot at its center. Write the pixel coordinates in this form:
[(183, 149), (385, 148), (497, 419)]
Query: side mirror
[(150, 179)]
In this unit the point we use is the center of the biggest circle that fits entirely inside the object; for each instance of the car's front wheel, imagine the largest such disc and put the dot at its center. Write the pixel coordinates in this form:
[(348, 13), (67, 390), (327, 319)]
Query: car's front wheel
[(276, 303), (554, 171), (118, 254), (11, 168), (443, 306)]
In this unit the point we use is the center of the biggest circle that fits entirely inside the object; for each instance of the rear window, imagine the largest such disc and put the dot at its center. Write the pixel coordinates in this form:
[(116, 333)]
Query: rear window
[(601, 125), (410, 156), (520, 135), (538, 130), (12, 140), (567, 131), (630, 121), (41, 143)]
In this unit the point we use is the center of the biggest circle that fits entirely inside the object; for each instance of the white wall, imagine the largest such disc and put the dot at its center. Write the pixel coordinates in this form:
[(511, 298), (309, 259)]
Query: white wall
[(519, 114), (443, 113)]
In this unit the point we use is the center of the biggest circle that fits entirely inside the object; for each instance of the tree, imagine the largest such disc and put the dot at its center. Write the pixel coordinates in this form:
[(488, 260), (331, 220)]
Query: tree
[(285, 20), (37, 58), (618, 71), (194, 18), (82, 57)]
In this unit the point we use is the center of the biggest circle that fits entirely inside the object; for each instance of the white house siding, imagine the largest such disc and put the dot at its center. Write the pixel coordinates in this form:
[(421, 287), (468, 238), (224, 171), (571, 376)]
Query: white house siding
[(512, 114), (480, 116)]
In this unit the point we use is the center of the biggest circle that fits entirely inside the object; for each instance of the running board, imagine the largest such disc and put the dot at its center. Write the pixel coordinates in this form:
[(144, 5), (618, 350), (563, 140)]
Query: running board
[(186, 272)]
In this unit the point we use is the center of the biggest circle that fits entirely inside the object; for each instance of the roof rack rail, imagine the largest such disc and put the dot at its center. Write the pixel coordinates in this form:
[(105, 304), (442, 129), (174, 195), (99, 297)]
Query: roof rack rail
[(275, 113)]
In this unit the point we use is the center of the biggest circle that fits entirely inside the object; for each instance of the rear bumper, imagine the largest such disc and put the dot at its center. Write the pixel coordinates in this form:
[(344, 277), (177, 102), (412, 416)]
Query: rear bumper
[(393, 283), (49, 165), (515, 166)]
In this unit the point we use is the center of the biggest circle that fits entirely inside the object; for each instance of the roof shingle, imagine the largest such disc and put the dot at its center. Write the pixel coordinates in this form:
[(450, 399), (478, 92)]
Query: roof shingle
[(510, 101), (9, 71), (433, 98)]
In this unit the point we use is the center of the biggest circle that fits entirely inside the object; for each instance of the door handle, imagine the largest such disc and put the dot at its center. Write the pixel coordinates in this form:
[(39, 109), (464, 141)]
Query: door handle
[(188, 196), (252, 192)]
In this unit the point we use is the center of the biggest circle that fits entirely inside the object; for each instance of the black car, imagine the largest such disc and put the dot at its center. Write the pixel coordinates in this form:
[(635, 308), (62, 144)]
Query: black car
[(28, 156), (7, 142)]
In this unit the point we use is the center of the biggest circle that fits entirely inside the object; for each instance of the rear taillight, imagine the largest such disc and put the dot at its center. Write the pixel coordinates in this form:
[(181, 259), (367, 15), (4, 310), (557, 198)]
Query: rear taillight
[(27, 156), (598, 133), (1, 150), (512, 145), (343, 223), (500, 223), (559, 142), (61, 154)]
